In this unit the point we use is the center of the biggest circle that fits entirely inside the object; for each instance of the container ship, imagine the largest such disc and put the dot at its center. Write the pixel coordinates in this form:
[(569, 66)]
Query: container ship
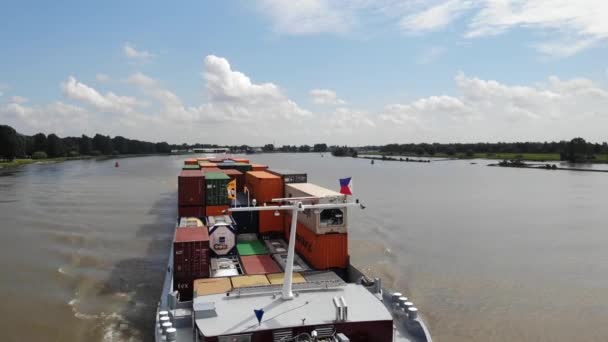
[(260, 254)]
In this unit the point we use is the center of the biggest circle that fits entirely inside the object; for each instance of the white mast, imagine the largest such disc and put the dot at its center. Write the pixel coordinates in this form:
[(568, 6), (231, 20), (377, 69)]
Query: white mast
[(287, 292)]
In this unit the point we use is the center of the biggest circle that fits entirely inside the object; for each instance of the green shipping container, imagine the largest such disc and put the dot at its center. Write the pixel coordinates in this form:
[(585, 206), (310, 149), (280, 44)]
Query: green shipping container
[(217, 188), (191, 167)]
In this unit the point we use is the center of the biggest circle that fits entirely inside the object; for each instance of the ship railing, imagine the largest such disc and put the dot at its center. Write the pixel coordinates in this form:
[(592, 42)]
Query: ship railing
[(319, 285)]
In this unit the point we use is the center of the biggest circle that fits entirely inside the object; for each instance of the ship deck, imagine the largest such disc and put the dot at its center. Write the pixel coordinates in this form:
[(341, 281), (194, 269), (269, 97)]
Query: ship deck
[(235, 314)]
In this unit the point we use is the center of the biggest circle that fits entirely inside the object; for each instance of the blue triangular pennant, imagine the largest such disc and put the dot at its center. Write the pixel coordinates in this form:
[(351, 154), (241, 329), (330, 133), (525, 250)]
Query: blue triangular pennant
[(259, 314)]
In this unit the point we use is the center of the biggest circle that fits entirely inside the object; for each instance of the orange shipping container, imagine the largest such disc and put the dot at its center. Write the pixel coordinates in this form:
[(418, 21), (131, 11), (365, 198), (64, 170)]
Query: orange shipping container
[(211, 169), (320, 251), (259, 167), (205, 165), (264, 186), (202, 159), (191, 161), (215, 210), (270, 223), (241, 160), (238, 175)]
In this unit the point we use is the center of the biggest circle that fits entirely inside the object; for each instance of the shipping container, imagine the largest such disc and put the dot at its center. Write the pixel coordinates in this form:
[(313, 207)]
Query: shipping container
[(191, 187), (191, 211), (298, 264), (191, 167), (264, 186), (290, 176), (191, 253), (241, 160), (207, 164), (216, 188), (259, 264), (190, 161), (271, 221), (247, 222), (320, 251), (278, 278), (222, 238), (242, 167), (190, 222), (211, 169), (216, 160), (213, 210), (184, 285), (202, 159), (254, 247), (259, 167), (209, 286), (238, 175), (276, 246), (320, 221), (226, 266), (249, 280)]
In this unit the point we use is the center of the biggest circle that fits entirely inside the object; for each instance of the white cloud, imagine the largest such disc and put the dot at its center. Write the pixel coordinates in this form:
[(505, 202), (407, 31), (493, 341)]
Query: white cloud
[(307, 16), (430, 55), (326, 96), (19, 99), (490, 110), (110, 102), (140, 55), (435, 17), (572, 25), (102, 77), (57, 117)]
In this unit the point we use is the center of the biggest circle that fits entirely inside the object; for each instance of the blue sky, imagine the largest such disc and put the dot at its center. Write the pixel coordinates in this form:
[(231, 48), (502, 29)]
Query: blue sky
[(306, 71)]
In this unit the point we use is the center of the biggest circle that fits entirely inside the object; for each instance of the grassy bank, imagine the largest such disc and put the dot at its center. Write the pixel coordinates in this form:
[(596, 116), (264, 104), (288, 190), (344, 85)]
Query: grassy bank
[(537, 157), (20, 162)]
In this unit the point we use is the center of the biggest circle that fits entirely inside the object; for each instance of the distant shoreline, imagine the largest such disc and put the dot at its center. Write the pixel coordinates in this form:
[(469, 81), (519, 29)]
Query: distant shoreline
[(22, 162)]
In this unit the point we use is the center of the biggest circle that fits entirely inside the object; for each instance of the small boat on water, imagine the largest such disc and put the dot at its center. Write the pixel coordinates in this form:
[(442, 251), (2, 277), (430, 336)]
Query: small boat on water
[(116, 164), (263, 256)]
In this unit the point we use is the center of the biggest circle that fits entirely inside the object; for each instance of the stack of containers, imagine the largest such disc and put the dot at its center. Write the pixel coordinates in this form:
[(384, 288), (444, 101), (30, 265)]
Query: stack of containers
[(247, 222), (191, 161), (265, 186), (190, 259), (238, 175), (191, 193), (216, 193), (321, 234), (259, 167), (206, 164), (242, 167), (290, 177), (191, 167)]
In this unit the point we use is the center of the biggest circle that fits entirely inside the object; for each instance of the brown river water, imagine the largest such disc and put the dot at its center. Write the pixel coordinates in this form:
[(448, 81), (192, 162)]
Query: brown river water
[(487, 254)]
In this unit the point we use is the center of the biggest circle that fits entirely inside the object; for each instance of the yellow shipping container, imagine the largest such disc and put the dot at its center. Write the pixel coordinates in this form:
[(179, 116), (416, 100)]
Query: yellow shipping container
[(209, 286), (277, 278), (249, 280)]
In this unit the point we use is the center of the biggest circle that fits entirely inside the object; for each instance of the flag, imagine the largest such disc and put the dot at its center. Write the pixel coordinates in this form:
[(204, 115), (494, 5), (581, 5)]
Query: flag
[(346, 186), (245, 189), (259, 314), (232, 189)]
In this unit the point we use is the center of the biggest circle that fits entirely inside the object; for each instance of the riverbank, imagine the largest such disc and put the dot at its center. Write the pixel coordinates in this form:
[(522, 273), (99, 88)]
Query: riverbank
[(534, 157), (22, 162)]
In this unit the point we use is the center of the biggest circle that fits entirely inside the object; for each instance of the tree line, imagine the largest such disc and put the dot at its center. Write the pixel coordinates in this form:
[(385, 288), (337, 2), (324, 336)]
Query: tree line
[(38, 146), (564, 148)]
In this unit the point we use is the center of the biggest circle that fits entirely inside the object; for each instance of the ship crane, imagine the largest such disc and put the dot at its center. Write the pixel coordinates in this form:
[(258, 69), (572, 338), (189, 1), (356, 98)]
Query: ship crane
[(295, 205)]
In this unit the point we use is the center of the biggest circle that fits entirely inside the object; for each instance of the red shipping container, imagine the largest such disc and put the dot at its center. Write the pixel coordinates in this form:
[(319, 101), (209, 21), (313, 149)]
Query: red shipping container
[(259, 264), (185, 286), (191, 187), (264, 186), (320, 251), (270, 223), (211, 169), (191, 253), (191, 211), (259, 167), (216, 210), (191, 161), (238, 175)]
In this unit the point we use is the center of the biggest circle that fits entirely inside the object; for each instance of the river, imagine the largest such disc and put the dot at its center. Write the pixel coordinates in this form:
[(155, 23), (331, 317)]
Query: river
[(487, 254)]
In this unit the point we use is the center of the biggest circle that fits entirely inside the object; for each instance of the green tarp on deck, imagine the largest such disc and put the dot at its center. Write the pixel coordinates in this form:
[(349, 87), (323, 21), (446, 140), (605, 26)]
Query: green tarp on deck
[(251, 248)]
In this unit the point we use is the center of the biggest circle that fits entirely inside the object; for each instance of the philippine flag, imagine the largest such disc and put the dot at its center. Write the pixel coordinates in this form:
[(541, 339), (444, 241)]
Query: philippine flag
[(346, 186)]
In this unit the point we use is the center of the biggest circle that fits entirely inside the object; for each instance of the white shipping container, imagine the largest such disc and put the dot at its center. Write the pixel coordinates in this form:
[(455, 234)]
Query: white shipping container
[(319, 221)]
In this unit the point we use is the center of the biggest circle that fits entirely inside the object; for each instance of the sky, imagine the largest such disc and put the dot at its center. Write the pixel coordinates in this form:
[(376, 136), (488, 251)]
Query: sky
[(356, 72)]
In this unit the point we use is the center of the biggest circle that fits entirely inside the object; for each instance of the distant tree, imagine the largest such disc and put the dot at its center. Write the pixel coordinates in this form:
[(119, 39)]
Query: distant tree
[(85, 145), (163, 147), (54, 146), (40, 142), (450, 151), (9, 142), (268, 148), (103, 144), (39, 155), (419, 150), (576, 151), (469, 153), (319, 148), (304, 148)]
